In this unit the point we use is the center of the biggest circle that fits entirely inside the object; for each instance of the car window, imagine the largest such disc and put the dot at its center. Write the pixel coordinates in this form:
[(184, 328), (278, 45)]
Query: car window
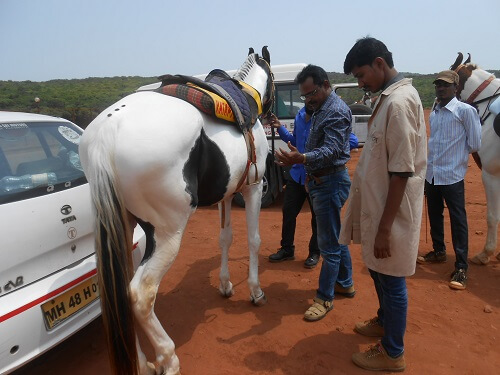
[(288, 102), (38, 159), (354, 95)]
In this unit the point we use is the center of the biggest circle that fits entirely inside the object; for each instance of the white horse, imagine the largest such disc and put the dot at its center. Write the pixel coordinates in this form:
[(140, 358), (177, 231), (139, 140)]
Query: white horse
[(152, 159), (482, 90)]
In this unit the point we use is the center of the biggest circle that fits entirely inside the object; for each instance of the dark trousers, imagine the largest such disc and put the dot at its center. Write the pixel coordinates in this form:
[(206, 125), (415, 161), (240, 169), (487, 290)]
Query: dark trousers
[(295, 196), (454, 196)]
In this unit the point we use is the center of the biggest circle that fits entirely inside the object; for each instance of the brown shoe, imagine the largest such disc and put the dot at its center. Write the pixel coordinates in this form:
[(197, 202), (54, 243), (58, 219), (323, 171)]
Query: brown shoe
[(318, 310), (348, 292), (377, 359), (370, 328)]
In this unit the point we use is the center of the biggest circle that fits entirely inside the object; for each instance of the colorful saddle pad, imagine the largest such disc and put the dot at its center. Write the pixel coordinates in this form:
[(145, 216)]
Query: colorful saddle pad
[(219, 96)]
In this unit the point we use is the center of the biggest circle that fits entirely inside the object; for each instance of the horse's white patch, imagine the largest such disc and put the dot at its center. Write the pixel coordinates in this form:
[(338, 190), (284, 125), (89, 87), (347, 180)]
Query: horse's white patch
[(69, 134), (495, 107)]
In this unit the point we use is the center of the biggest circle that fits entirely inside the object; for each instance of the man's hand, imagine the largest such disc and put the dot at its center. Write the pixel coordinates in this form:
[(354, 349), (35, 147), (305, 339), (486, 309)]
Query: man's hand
[(477, 159), (273, 120), (283, 157), (382, 246)]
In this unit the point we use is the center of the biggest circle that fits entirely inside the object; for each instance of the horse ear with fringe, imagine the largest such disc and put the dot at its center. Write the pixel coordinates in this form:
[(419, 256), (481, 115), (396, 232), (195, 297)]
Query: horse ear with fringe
[(250, 51), (266, 55), (468, 59), (458, 61)]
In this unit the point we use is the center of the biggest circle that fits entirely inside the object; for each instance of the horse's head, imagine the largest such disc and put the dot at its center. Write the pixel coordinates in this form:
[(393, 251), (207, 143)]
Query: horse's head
[(464, 71), (475, 85), (256, 71)]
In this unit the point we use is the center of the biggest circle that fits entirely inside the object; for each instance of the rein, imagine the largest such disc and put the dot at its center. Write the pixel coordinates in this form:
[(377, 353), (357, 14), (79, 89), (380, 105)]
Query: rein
[(269, 103)]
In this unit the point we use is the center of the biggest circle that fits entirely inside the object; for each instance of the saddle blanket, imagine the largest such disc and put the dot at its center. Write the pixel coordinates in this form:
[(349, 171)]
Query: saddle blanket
[(219, 96)]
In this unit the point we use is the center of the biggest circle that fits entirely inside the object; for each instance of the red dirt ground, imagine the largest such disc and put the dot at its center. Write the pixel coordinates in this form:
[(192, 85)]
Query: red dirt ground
[(448, 331)]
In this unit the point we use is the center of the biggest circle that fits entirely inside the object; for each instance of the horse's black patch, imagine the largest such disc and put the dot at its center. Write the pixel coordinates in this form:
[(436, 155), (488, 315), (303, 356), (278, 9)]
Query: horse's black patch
[(206, 172), (496, 124), (149, 231)]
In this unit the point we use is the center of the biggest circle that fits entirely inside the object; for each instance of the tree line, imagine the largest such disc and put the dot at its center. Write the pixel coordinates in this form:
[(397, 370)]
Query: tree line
[(81, 100)]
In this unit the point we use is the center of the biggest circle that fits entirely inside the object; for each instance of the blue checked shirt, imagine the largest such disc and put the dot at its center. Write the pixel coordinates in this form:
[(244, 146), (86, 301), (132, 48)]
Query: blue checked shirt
[(328, 142), (455, 133)]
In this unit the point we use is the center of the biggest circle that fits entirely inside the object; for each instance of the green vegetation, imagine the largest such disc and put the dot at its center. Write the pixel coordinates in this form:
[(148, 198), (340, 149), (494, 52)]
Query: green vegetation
[(78, 100), (81, 100)]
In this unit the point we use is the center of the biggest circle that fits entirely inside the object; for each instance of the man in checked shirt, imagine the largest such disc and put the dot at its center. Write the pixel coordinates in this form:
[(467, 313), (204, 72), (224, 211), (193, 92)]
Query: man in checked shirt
[(326, 153)]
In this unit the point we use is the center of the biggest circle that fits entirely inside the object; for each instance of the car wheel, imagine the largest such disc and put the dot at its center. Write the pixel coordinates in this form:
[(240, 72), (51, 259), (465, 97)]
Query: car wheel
[(360, 109), (267, 194)]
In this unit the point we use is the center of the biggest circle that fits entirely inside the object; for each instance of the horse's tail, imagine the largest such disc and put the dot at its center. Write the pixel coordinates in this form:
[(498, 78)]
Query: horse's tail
[(113, 250)]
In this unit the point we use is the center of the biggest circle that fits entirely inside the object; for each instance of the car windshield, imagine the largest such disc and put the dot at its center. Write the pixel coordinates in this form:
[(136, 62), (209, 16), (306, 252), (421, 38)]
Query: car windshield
[(38, 158)]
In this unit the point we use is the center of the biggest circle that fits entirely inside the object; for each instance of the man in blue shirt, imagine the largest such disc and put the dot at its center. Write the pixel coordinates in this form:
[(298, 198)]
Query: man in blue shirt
[(326, 153), (455, 133), (295, 192)]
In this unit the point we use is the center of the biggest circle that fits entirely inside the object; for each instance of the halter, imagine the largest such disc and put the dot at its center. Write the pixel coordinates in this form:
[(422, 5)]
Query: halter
[(269, 103), (477, 91)]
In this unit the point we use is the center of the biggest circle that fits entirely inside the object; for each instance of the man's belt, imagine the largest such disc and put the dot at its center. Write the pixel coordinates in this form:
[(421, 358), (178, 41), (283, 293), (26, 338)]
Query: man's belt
[(326, 171)]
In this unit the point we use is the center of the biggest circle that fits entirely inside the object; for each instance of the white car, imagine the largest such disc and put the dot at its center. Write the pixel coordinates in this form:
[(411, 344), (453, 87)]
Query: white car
[(48, 283)]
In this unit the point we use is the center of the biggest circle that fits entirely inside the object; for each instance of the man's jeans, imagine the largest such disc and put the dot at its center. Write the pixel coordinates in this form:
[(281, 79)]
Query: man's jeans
[(327, 198), (454, 196), (393, 301)]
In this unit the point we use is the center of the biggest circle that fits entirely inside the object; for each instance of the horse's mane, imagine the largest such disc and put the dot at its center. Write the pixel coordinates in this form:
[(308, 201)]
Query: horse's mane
[(472, 66), (245, 69)]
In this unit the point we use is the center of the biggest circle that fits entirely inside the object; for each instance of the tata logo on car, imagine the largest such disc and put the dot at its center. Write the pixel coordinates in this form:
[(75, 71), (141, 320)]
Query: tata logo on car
[(68, 219), (66, 209)]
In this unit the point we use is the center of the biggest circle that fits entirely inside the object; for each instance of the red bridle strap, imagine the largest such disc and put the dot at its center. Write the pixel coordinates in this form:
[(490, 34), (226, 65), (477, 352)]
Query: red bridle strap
[(478, 91)]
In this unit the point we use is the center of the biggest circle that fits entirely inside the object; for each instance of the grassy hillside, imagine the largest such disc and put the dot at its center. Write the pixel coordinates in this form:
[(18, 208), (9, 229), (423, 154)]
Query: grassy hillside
[(78, 100), (81, 100)]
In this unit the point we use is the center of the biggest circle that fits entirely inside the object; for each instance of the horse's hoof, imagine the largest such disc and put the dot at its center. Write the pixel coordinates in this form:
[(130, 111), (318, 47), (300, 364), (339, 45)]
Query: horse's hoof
[(260, 300), (226, 293), (480, 259)]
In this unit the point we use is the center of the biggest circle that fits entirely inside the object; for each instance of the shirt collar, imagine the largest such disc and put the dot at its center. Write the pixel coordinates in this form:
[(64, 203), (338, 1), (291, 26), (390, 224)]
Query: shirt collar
[(398, 77), (390, 89), (451, 105), (326, 103)]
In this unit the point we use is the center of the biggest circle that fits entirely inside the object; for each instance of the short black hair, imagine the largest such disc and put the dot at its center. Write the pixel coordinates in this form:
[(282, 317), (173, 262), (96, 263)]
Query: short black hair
[(364, 52), (317, 73)]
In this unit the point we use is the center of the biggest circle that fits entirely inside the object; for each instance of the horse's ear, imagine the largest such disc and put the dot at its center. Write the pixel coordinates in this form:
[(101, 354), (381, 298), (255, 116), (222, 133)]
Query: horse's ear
[(468, 59), (250, 51), (266, 55), (458, 61)]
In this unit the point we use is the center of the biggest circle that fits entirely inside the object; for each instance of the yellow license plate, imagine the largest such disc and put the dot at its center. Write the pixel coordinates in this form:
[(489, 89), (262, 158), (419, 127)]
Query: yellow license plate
[(70, 302)]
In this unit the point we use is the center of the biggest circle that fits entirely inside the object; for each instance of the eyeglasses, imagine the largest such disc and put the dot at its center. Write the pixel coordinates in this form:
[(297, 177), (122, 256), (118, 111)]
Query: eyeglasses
[(309, 94)]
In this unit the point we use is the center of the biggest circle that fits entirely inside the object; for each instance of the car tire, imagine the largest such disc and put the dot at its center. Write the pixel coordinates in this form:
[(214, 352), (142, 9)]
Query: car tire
[(267, 194), (360, 109)]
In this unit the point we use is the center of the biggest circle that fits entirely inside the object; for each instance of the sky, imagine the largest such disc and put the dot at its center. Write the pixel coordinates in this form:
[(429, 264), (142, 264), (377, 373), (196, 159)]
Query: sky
[(41, 40)]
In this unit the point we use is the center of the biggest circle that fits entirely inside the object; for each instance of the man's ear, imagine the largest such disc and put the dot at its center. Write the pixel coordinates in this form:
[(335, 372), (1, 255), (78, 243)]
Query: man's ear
[(379, 62)]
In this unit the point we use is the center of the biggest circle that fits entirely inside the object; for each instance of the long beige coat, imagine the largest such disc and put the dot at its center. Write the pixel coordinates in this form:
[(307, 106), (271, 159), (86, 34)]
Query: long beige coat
[(396, 142)]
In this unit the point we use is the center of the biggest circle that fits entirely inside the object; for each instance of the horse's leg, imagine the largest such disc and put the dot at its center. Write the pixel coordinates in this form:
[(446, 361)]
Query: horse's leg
[(225, 241), (143, 290), (492, 189), (253, 195)]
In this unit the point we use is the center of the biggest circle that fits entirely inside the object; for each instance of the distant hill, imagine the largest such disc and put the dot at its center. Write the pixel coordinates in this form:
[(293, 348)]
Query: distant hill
[(81, 100), (78, 100)]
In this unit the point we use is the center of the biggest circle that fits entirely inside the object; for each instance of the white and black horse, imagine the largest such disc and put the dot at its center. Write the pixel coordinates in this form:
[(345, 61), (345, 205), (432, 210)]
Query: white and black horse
[(482, 90), (152, 159)]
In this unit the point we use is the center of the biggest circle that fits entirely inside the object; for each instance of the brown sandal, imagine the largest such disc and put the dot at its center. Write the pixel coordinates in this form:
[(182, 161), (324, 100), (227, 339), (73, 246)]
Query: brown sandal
[(318, 310)]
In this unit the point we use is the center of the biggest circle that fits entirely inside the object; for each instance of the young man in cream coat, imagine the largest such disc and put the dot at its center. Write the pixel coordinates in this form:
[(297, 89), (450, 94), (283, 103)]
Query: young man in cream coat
[(384, 209)]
